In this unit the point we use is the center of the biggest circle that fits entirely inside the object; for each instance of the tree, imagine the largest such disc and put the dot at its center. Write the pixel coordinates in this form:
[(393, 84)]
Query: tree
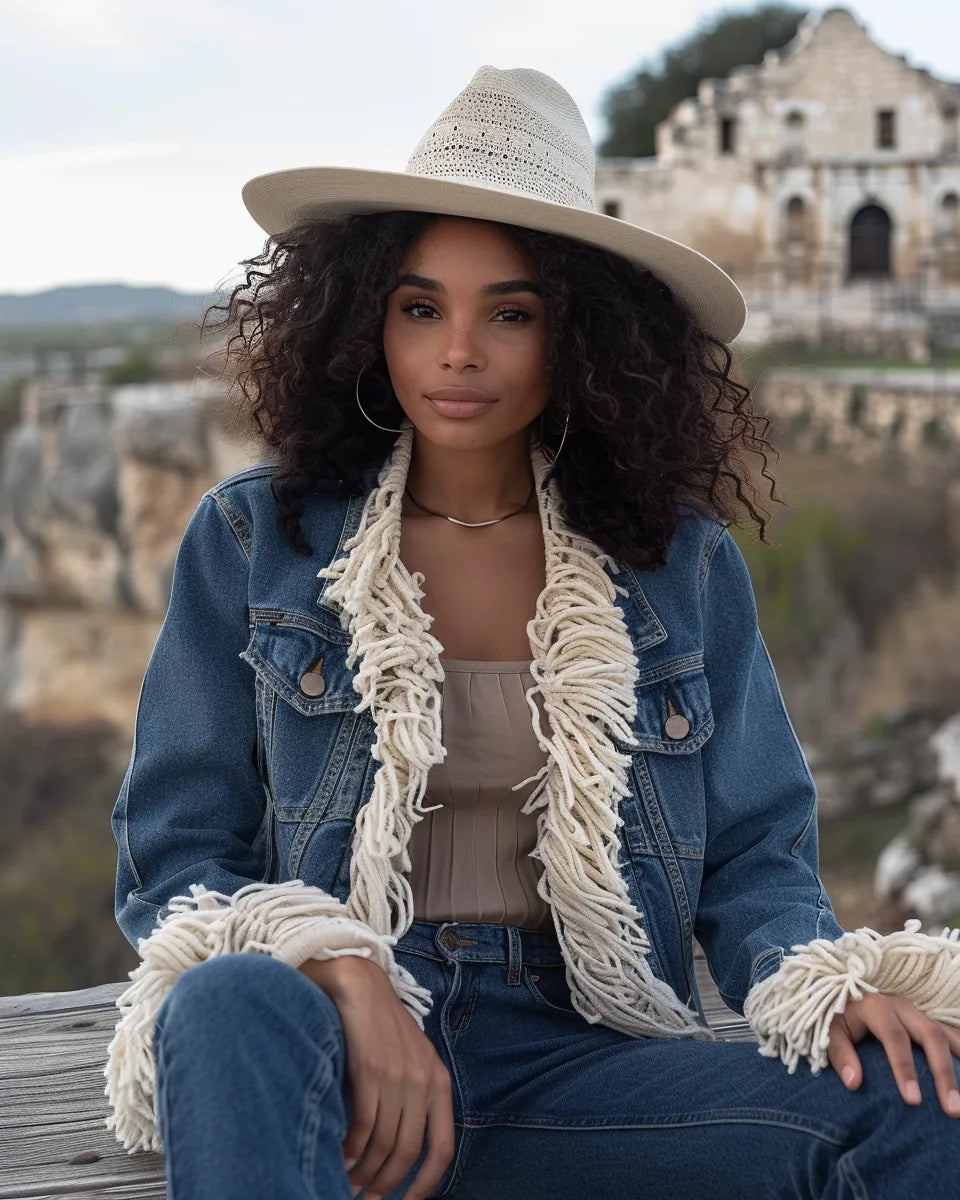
[(634, 109)]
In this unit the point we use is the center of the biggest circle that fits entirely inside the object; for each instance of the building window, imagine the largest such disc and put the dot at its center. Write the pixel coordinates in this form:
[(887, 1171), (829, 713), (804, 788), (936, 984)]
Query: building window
[(886, 130), (611, 208), (793, 134), (797, 220), (727, 131), (948, 215)]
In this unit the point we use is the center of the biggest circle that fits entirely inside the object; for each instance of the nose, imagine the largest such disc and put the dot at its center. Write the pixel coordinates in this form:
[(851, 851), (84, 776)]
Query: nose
[(460, 349)]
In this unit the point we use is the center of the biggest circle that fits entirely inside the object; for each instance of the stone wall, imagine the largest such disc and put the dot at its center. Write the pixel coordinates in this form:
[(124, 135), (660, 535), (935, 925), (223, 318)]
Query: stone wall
[(910, 415)]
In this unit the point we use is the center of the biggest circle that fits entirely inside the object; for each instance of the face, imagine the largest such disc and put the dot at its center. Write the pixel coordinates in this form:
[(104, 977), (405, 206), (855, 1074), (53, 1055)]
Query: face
[(463, 317)]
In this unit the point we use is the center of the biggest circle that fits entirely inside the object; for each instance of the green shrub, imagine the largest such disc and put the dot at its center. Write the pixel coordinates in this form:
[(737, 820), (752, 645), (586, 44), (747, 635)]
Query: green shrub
[(800, 585), (857, 405)]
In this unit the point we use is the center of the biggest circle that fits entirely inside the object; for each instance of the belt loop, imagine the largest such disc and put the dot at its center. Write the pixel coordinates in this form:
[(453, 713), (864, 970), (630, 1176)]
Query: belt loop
[(515, 959)]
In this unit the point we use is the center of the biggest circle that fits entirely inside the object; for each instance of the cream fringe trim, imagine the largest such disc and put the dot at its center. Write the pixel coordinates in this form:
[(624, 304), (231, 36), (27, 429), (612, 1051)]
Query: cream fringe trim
[(289, 921), (792, 1009), (585, 668)]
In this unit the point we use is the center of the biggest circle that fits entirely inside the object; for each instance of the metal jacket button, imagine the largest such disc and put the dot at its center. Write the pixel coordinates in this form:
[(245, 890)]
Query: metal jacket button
[(312, 682), (676, 725)]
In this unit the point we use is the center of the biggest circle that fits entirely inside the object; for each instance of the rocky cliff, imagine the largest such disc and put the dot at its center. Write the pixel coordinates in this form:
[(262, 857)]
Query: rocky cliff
[(96, 488)]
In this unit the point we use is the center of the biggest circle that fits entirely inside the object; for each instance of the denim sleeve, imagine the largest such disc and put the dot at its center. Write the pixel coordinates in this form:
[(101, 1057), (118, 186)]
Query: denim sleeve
[(761, 890), (192, 806)]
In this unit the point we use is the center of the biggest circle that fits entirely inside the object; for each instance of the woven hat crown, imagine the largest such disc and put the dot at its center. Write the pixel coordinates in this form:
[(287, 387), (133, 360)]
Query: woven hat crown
[(514, 130)]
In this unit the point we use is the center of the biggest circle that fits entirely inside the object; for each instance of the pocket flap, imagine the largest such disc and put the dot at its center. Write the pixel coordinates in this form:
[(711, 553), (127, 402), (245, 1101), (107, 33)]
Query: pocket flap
[(674, 715), (306, 669)]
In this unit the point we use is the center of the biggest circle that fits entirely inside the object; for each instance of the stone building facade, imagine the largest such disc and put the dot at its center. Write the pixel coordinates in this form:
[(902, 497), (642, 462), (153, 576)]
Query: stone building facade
[(825, 180)]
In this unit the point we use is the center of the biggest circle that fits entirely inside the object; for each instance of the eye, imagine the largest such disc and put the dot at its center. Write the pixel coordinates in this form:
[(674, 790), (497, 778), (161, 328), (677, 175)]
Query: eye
[(520, 312), (415, 304)]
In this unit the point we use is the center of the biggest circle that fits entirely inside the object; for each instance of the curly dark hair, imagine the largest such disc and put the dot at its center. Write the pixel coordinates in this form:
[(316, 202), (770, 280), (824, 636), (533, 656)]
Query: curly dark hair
[(655, 418)]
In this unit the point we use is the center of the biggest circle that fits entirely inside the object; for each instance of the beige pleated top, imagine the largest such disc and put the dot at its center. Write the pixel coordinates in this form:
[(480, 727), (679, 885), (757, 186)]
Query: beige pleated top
[(469, 859)]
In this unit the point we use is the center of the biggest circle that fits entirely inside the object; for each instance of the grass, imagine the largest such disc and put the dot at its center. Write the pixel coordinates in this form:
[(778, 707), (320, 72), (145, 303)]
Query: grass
[(754, 361)]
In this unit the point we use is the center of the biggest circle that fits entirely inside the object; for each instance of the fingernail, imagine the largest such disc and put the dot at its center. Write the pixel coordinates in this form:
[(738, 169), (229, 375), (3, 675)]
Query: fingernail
[(349, 1162), (358, 1188), (912, 1091), (848, 1075), (953, 1102)]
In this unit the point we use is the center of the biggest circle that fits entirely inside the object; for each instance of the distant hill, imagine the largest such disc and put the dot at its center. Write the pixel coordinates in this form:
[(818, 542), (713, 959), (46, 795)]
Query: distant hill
[(97, 303)]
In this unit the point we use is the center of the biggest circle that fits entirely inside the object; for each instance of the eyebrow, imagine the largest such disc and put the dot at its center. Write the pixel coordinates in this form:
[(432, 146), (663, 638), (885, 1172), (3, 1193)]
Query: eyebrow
[(489, 289)]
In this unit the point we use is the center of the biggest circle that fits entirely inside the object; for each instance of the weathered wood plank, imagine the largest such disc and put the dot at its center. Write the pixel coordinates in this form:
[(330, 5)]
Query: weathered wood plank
[(53, 1104)]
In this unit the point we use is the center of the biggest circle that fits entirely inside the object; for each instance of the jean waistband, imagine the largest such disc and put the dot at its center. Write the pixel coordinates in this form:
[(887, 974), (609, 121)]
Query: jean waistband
[(482, 941)]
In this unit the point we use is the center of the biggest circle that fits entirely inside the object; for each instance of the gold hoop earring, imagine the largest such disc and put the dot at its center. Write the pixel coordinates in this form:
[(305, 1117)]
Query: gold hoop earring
[(370, 419)]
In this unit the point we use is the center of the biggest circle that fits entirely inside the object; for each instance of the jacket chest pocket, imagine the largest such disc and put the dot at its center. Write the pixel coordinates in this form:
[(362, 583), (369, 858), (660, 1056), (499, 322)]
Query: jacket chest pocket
[(314, 749), (674, 719)]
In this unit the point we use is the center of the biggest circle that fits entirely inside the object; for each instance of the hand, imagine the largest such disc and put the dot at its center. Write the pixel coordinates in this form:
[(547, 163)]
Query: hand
[(399, 1083), (897, 1022)]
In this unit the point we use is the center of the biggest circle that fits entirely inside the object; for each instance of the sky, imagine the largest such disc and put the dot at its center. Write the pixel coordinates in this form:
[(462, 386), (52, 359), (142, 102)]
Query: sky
[(129, 126)]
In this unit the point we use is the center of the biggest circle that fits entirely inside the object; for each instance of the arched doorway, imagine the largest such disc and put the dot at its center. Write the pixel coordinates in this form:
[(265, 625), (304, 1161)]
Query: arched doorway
[(870, 243)]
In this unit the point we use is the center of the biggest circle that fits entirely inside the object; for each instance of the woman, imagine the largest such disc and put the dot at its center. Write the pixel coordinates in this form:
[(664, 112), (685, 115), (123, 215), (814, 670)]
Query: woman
[(501, 421)]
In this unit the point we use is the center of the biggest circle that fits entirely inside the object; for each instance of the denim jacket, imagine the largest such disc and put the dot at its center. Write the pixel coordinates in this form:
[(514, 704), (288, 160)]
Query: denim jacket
[(250, 762)]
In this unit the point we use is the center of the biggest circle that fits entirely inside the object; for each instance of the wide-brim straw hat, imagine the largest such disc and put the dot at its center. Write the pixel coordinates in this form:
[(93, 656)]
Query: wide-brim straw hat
[(512, 146)]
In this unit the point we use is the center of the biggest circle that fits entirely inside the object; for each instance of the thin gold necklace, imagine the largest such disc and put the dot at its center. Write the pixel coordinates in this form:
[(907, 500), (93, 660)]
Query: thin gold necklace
[(472, 524)]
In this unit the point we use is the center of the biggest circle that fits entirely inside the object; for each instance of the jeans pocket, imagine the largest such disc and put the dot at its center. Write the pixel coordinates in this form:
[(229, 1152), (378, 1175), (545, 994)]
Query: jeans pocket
[(547, 983)]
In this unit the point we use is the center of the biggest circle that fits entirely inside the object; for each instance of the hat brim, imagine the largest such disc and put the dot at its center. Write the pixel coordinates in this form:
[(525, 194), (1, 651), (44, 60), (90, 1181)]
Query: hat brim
[(280, 199)]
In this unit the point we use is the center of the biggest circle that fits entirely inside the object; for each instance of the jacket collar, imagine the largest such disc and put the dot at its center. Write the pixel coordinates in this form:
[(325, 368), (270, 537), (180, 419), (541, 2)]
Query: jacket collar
[(585, 669)]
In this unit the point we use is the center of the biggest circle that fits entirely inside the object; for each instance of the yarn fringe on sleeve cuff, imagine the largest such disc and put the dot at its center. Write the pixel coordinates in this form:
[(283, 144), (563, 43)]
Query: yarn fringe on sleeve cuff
[(290, 921), (791, 1010)]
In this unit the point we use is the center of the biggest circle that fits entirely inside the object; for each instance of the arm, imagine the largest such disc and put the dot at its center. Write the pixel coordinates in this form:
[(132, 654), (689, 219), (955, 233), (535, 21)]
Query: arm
[(761, 895), (192, 807), (761, 888), (192, 817)]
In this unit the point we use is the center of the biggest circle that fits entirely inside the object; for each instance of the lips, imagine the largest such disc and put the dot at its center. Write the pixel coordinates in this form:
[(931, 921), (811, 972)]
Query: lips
[(459, 402), (464, 394)]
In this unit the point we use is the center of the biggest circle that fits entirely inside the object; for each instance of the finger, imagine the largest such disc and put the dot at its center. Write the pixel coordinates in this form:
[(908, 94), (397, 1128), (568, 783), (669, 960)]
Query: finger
[(440, 1130), (953, 1037), (936, 1045), (841, 1054), (407, 1142), (365, 1103), (853, 1019), (384, 1135), (889, 1029)]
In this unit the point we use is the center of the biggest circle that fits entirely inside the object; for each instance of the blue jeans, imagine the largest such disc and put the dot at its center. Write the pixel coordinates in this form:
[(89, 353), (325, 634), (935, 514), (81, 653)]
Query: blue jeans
[(254, 1099)]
